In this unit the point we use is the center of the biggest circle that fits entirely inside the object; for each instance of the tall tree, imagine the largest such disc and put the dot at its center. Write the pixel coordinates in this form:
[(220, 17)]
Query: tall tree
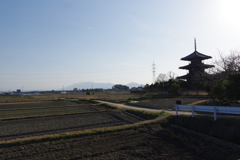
[(162, 78)]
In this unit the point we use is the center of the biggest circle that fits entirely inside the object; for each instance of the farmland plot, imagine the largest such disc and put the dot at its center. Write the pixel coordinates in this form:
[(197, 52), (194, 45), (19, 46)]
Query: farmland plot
[(18, 112), (147, 142), (166, 104), (35, 104), (35, 119)]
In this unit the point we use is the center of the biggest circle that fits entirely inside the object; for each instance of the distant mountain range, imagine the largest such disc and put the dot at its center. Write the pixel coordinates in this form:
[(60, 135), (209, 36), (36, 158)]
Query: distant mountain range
[(89, 85)]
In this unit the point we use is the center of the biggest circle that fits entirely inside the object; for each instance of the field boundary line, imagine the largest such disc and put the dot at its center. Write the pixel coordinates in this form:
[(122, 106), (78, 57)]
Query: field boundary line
[(38, 107), (53, 115), (3, 103), (135, 116)]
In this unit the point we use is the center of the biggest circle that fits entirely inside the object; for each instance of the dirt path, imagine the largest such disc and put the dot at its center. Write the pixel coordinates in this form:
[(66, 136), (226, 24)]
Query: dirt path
[(164, 105), (143, 109)]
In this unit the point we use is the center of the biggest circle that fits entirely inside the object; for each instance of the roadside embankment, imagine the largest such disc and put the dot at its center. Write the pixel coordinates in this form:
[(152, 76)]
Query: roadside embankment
[(223, 129)]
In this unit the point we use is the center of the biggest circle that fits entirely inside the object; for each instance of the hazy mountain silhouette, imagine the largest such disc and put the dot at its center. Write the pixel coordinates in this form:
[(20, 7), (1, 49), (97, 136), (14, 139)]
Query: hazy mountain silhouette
[(89, 85), (133, 84)]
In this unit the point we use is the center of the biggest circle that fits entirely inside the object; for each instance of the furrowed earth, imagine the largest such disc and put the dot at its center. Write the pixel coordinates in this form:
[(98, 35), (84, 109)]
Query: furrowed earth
[(151, 140)]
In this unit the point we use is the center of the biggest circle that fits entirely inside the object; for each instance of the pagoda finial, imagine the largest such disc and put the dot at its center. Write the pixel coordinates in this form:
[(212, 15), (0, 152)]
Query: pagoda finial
[(195, 45)]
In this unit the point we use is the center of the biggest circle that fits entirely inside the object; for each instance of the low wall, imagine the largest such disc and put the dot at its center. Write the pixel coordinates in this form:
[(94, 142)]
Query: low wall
[(226, 130)]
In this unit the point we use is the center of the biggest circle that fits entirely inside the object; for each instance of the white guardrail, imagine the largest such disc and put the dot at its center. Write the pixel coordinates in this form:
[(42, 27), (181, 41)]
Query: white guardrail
[(213, 109)]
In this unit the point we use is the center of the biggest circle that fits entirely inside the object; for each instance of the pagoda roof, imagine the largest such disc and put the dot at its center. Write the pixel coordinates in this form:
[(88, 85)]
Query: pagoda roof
[(187, 76), (190, 76), (195, 55), (196, 65)]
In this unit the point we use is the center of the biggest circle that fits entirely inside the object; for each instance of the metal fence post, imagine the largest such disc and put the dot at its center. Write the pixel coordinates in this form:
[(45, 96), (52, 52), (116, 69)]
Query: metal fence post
[(192, 111), (176, 109), (215, 113)]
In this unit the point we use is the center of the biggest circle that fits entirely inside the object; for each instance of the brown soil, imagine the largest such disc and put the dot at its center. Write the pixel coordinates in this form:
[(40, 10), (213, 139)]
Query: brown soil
[(34, 104), (81, 116), (23, 128), (147, 142), (167, 104), (46, 111)]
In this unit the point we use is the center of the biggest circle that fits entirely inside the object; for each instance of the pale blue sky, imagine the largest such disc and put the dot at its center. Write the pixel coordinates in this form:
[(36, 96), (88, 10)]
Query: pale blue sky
[(47, 44)]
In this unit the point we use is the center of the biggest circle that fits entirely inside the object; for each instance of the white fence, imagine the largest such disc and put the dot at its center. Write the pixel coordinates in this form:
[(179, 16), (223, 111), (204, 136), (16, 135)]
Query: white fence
[(213, 109)]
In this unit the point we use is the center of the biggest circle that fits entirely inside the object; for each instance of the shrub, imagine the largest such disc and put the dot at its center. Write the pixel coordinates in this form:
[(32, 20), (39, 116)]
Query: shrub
[(229, 88), (174, 88), (217, 91), (232, 87)]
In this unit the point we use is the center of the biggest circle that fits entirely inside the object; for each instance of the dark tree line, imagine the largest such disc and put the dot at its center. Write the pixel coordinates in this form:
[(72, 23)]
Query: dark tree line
[(221, 82), (171, 85), (225, 77)]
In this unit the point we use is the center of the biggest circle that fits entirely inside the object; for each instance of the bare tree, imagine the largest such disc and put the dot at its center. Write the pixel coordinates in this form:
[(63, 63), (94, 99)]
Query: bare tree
[(162, 78), (226, 64), (171, 75)]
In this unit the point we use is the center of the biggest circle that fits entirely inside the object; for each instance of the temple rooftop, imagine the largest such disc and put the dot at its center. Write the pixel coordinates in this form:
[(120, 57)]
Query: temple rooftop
[(196, 65), (195, 55)]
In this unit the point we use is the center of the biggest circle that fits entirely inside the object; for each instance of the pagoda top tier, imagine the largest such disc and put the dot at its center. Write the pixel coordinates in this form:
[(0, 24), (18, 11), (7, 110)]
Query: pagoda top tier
[(195, 55)]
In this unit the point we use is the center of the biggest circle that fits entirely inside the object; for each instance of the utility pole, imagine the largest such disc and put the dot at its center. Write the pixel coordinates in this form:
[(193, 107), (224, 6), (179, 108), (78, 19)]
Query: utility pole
[(153, 71)]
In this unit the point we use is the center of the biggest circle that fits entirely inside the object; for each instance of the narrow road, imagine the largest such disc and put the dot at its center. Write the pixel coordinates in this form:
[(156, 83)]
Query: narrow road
[(144, 109), (171, 112)]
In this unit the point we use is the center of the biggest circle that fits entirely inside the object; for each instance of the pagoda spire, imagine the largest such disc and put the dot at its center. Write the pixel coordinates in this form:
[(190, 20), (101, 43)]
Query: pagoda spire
[(195, 45)]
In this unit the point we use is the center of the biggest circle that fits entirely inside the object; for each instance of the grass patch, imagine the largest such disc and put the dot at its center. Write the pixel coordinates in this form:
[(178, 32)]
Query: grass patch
[(146, 114), (200, 102)]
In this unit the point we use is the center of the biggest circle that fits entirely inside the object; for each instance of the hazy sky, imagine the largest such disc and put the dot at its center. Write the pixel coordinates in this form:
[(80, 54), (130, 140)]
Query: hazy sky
[(47, 44)]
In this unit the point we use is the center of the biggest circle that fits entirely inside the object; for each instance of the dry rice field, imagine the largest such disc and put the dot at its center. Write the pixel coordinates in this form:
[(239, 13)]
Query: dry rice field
[(51, 127)]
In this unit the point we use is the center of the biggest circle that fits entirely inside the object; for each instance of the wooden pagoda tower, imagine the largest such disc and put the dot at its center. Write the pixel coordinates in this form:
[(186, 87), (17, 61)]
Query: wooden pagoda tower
[(196, 66)]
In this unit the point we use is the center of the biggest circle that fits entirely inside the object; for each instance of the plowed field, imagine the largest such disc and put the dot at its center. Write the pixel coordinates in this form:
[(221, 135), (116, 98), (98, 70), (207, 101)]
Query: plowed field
[(35, 119), (166, 104), (149, 141)]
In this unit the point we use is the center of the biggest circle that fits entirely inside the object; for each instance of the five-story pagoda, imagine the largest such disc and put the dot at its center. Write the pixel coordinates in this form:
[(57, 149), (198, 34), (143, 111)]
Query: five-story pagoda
[(196, 67)]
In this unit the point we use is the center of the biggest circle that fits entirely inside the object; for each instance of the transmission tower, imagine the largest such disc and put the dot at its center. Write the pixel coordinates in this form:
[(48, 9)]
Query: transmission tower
[(153, 71)]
